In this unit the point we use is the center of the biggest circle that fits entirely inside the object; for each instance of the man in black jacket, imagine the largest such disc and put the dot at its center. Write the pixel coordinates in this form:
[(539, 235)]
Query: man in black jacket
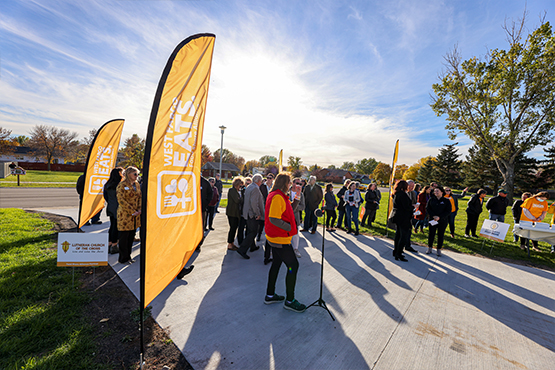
[(473, 213), (220, 186), (341, 205), (497, 206), (313, 196)]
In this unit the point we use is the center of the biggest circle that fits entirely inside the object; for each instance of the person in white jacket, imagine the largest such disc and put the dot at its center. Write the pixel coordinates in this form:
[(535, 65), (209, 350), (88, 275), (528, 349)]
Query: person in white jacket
[(352, 202)]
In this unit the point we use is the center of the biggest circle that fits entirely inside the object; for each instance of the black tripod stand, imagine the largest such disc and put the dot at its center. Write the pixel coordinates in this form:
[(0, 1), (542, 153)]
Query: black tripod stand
[(320, 302)]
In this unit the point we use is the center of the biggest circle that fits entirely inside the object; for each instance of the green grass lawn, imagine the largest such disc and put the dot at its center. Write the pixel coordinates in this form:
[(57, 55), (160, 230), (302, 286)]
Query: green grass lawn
[(38, 178), (42, 323)]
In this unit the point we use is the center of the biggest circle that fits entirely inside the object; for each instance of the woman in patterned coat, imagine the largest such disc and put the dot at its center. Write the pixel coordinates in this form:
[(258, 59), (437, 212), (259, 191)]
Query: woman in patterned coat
[(129, 212)]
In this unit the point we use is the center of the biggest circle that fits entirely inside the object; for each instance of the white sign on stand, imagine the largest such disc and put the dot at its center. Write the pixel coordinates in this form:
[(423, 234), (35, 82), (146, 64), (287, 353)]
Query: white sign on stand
[(82, 249), (494, 230)]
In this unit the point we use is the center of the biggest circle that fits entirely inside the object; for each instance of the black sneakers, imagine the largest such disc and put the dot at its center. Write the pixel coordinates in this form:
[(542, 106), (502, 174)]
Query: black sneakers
[(295, 306), (274, 299)]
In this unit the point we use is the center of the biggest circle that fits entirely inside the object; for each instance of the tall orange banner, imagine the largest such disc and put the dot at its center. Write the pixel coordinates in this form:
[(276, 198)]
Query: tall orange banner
[(171, 215), (101, 160)]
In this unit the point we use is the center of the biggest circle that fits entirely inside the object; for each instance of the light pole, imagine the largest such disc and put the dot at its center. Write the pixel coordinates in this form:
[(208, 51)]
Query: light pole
[(222, 128)]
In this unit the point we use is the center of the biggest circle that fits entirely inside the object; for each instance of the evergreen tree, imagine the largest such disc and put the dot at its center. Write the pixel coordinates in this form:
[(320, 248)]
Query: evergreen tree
[(427, 173), (526, 169), (480, 170), (447, 166), (546, 178)]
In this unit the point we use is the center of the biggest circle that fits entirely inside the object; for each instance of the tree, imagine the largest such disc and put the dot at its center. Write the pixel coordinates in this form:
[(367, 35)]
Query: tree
[(447, 166), (348, 166), (546, 175), (313, 169), (400, 170), (504, 103), (134, 152), (79, 150), (412, 172), (49, 141), (477, 169), (265, 159), (427, 172), (382, 172), (366, 166), (21, 140), (5, 143), (332, 167), (251, 164), (229, 157), (294, 163), (206, 155)]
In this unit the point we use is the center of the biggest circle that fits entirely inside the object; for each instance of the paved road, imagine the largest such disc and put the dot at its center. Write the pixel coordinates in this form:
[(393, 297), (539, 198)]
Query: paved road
[(56, 197), (38, 197)]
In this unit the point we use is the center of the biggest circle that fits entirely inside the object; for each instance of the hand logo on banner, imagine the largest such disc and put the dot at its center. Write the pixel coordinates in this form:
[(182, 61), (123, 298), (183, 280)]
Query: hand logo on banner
[(176, 196)]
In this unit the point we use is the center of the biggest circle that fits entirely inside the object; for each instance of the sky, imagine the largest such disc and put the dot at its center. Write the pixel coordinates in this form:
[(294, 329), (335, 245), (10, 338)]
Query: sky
[(327, 81)]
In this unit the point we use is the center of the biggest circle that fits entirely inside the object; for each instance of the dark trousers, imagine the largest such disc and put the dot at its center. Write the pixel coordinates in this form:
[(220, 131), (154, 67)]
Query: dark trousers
[(524, 240), (369, 215), (252, 229), (233, 225), (330, 217), (210, 216), (310, 219), (96, 217), (340, 217), (286, 255), (113, 232), (402, 237), (260, 229), (471, 224), (440, 229), (241, 229), (125, 245), (267, 250), (451, 220)]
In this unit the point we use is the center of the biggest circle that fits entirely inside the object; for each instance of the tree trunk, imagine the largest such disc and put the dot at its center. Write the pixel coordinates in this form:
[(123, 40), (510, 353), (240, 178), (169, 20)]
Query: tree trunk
[(507, 169)]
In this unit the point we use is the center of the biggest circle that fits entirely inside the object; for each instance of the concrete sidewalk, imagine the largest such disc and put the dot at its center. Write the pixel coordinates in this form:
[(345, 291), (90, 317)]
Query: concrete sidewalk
[(452, 312)]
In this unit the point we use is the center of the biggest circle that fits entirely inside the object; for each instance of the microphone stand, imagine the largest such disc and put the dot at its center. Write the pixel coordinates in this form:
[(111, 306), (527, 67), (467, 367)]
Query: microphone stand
[(320, 302)]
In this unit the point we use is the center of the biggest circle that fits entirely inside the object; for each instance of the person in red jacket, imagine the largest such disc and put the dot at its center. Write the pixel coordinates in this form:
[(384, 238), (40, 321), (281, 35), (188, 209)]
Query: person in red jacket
[(280, 228)]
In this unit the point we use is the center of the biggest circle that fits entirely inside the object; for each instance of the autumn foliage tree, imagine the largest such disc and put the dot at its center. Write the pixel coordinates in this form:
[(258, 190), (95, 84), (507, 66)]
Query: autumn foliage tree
[(5, 143), (506, 102), (49, 141), (134, 152), (382, 172)]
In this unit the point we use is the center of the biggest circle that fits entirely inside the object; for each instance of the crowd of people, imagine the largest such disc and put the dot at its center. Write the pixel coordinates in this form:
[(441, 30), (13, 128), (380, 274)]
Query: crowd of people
[(275, 207)]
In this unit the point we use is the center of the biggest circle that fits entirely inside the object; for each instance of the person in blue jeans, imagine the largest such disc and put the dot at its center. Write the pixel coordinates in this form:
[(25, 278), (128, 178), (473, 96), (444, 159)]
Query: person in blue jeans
[(352, 202)]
